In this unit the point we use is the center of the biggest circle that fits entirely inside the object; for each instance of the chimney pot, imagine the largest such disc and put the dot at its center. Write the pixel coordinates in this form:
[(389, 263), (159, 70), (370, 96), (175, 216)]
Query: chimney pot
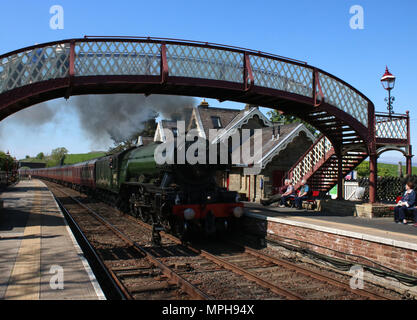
[(204, 104)]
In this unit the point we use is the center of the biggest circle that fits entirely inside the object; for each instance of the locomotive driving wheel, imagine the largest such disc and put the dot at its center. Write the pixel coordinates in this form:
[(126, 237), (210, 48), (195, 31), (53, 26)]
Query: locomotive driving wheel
[(138, 204), (133, 206)]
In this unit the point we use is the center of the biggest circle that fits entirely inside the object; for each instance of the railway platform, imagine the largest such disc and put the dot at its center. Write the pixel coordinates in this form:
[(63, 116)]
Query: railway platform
[(39, 256), (377, 240)]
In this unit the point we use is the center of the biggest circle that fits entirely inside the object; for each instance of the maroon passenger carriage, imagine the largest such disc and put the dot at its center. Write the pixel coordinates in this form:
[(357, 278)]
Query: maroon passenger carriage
[(80, 176)]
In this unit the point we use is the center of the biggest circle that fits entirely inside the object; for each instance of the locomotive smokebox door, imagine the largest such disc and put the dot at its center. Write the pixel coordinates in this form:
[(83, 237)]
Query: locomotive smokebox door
[(210, 223)]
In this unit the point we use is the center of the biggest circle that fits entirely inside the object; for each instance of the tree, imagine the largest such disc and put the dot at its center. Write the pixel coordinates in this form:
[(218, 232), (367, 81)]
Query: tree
[(363, 169), (6, 162), (57, 157), (277, 116), (40, 156), (384, 172), (27, 157)]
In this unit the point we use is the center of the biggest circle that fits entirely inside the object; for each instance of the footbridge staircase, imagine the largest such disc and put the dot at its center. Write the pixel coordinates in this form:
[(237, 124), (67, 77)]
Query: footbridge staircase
[(323, 166)]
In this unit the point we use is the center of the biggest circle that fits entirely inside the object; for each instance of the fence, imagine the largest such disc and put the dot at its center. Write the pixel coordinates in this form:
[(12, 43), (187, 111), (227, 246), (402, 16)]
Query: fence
[(388, 188)]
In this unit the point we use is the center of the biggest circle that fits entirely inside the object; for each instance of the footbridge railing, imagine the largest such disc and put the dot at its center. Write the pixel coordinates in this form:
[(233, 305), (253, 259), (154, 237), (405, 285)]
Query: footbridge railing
[(174, 59), (395, 127), (312, 160)]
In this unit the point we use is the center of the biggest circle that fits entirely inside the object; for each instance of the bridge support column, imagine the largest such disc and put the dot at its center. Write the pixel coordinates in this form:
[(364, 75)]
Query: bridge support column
[(409, 155), (373, 177), (340, 184), (409, 167)]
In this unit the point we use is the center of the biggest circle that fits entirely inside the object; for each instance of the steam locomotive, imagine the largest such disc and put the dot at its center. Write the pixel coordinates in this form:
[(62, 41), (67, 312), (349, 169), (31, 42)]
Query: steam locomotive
[(183, 199)]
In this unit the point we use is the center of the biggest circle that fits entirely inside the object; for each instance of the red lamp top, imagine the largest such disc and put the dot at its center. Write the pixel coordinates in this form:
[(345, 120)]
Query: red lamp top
[(388, 80)]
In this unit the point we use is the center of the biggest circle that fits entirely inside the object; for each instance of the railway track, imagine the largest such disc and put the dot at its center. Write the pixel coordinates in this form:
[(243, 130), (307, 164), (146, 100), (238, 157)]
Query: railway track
[(301, 283), (195, 277), (137, 273), (215, 270)]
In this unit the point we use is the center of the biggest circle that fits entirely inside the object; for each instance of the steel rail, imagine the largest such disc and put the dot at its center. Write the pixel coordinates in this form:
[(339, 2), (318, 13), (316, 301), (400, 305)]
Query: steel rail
[(248, 275), (227, 265), (111, 278), (277, 261), (183, 283), (310, 273)]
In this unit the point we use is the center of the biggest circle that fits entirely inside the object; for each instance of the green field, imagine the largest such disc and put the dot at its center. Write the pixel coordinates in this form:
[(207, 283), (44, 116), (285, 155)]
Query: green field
[(33, 160), (69, 158), (384, 169), (80, 157)]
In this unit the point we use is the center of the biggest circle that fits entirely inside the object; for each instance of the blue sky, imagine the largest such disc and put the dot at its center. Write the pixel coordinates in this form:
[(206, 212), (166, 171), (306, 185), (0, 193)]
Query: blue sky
[(317, 32)]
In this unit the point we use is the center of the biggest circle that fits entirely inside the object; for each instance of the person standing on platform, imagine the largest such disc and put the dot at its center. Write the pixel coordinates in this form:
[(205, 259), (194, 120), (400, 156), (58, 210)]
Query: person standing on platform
[(406, 204)]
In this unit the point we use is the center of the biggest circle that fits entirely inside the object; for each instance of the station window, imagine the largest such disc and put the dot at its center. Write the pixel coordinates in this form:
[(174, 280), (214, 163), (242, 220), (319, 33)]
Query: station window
[(216, 122)]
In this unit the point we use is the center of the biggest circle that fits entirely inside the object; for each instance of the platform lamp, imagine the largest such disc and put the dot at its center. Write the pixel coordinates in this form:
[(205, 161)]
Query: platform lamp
[(388, 82)]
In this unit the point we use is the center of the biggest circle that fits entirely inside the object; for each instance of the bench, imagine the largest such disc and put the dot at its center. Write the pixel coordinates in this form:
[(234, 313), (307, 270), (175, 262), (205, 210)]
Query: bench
[(396, 201), (411, 213), (311, 203)]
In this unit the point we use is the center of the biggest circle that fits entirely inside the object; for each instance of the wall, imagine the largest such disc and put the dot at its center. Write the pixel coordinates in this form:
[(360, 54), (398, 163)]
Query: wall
[(397, 258), (283, 161)]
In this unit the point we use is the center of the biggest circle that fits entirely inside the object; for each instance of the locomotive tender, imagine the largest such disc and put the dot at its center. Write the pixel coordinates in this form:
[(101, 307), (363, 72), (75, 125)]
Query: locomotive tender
[(182, 198)]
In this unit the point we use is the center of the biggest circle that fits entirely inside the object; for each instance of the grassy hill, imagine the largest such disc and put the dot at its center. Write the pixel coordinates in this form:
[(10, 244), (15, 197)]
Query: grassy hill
[(80, 157), (33, 160), (69, 158), (384, 169)]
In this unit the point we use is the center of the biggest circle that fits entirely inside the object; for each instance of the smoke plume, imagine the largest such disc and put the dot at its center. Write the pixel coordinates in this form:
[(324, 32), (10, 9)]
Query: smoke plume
[(119, 116), (36, 115), (104, 117)]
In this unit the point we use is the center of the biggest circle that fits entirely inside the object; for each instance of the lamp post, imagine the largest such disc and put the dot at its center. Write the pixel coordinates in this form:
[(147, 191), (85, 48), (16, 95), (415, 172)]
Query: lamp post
[(7, 166), (14, 171), (388, 82)]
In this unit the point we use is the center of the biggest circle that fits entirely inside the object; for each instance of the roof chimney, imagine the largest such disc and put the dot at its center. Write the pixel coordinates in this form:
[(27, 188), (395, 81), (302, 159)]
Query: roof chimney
[(204, 104)]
